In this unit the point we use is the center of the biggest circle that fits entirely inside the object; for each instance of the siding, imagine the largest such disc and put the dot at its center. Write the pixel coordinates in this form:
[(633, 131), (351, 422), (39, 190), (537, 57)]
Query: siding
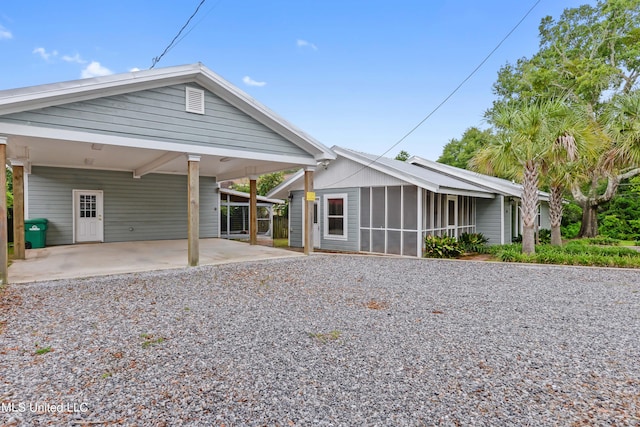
[(545, 221), (295, 219), (341, 172), (353, 222), (159, 115), (155, 206), (488, 219), (353, 228)]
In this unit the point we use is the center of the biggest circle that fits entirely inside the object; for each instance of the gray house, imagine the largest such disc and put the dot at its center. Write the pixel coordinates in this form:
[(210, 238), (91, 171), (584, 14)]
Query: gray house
[(368, 204), (136, 156)]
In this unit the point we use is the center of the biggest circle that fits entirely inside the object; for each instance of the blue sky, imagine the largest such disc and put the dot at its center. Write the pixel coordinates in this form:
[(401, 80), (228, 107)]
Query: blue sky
[(359, 74)]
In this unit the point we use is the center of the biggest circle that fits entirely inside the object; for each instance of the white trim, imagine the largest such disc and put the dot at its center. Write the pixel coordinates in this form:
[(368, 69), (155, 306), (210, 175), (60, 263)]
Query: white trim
[(26, 193), (502, 220), (94, 138), (99, 207), (419, 224), (3, 140), (345, 216)]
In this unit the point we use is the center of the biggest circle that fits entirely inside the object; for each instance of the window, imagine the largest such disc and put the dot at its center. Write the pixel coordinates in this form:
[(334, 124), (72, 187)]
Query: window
[(335, 219)]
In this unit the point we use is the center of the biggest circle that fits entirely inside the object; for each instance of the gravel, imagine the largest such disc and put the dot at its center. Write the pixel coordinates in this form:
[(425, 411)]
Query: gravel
[(326, 340)]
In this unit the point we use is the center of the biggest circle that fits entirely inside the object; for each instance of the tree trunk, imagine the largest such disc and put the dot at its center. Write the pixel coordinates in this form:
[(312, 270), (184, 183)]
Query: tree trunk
[(589, 203), (528, 240), (529, 206), (555, 215), (589, 226)]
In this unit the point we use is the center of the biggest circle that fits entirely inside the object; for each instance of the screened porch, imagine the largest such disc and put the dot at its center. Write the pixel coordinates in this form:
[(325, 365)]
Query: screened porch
[(396, 219)]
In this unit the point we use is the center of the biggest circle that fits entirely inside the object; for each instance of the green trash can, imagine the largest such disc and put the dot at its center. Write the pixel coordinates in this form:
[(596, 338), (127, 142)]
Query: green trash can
[(35, 233)]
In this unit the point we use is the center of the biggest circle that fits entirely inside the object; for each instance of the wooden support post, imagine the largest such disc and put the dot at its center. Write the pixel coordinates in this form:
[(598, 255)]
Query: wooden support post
[(310, 198), (253, 211), (194, 210), (18, 210), (4, 238)]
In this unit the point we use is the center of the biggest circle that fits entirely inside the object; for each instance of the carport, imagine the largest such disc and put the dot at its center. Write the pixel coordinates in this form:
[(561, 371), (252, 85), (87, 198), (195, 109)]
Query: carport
[(77, 261), (136, 156)]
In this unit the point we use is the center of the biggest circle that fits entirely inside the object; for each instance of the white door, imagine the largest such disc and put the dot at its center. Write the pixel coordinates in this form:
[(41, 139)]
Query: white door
[(452, 216), (87, 216)]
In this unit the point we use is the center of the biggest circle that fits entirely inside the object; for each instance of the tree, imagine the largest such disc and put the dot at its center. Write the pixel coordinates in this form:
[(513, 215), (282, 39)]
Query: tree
[(268, 182), (458, 152), (590, 55), (530, 136), (264, 184), (403, 156)]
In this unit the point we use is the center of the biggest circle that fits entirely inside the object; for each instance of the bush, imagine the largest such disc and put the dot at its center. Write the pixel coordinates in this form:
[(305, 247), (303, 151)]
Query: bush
[(473, 242), (544, 236), (571, 231), (442, 247), (576, 252)]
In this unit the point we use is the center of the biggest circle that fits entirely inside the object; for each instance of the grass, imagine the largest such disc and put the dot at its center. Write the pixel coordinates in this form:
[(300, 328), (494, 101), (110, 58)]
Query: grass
[(606, 253), (281, 243), (43, 350), (150, 341), (327, 336)]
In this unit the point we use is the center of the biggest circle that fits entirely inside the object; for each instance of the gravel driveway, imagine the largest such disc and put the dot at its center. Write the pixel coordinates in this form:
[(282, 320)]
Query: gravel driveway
[(326, 340)]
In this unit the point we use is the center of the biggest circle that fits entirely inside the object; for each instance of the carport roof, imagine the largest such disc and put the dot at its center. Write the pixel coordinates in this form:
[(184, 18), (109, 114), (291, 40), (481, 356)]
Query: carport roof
[(49, 95)]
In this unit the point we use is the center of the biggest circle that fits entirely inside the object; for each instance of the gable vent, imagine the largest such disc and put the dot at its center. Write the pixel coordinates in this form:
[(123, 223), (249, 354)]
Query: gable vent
[(194, 100)]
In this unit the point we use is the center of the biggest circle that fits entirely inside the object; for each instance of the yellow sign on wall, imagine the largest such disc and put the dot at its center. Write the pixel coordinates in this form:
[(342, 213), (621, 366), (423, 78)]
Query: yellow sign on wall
[(311, 196)]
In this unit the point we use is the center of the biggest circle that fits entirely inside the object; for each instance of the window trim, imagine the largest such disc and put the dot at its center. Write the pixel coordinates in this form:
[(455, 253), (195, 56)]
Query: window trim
[(325, 216)]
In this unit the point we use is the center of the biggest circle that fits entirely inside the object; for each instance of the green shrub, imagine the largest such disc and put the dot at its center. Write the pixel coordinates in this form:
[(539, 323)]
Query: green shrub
[(603, 240), (570, 231), (576, 252), (473, 242), (544, 236), (442, 247)]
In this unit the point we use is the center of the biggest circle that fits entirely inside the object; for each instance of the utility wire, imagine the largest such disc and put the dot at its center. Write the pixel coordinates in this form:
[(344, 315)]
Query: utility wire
[(444, 101), (157, 59), (196, 24)]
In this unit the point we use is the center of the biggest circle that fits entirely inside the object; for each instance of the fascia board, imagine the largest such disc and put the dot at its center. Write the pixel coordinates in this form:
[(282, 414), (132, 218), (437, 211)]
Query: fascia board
[(98, 138)]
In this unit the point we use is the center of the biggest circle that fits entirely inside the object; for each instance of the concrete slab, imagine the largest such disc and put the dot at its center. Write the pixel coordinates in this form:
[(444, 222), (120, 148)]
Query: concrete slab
[(99, 259)]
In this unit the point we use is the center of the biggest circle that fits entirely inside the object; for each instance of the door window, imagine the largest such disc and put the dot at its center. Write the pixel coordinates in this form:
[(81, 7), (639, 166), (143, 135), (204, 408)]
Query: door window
[(88, 206)]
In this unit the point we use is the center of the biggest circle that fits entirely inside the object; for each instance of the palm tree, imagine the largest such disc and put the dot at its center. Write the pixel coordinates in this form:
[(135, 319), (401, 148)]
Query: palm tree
[(577, 138), (531, 137)]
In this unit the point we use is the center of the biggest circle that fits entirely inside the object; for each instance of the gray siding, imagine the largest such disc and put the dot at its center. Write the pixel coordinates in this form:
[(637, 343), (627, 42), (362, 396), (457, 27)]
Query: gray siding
[(488, 219), (353, 227), (344, 171), (159, 115), (545, 221), (353, 222), (295, 220), (155, 206)]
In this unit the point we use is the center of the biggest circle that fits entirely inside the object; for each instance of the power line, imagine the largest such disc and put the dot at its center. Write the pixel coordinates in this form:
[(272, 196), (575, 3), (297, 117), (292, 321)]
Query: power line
[(157, 59), (444, 101)]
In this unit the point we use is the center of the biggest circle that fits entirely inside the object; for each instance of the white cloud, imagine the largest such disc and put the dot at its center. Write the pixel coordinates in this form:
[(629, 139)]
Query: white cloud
[(5, 34), (250, 82), (134, 69), (75, 58), (44, 54), (95, 69), (304, 43)]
